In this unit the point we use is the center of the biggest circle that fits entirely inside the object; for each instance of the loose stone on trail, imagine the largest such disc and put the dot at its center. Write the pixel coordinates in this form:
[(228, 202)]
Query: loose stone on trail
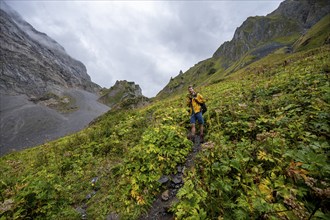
[(177, 179), (165, 195), (163, 180), (180, 168)]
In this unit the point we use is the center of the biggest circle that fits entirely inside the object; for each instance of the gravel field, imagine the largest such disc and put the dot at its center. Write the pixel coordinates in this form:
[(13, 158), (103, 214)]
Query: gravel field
[(24, 124)]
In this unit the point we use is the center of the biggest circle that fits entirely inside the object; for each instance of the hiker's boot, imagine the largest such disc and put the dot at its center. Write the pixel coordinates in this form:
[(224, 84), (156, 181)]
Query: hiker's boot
[(202, 138), (192, 138)]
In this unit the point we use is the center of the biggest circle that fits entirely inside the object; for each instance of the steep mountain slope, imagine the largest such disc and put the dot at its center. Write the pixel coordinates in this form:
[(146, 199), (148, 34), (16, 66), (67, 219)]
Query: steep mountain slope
[(33, 63), (45, 94), (268, 33), (266, 155), (305, 12), (255, 38), (317, 35)]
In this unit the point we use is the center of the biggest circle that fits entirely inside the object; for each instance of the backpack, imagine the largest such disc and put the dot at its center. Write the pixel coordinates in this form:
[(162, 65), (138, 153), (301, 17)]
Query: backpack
[(204, 108)]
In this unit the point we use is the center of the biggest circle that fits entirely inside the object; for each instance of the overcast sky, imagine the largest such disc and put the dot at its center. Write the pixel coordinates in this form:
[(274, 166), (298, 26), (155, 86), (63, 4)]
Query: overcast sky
[(147, 42)]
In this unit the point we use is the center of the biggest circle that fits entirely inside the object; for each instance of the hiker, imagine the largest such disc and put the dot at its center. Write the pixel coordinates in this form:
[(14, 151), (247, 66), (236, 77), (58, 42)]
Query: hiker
[(194, 101)]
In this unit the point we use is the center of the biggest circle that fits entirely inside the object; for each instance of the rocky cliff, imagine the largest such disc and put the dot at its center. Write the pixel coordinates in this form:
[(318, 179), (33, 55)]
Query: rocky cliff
[(305, 12), (262, 35), (44, 93), (34, 64)]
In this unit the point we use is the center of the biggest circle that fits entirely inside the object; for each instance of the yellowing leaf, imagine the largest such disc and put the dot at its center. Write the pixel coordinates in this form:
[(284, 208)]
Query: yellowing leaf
[(140, 200), (265, 189), (262, 155), (134, 194)]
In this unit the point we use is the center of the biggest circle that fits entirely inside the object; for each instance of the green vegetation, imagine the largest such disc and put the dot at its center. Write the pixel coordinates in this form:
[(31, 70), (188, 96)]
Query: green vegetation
[(111, 100), (266, 155), (128, 150)]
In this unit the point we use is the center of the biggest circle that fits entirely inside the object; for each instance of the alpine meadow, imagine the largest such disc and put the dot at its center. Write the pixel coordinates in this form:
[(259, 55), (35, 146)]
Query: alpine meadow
[(266, 150)]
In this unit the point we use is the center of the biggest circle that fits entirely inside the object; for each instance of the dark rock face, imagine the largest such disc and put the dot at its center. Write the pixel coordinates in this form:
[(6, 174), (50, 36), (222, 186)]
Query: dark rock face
[(305, 12), (292, 17), (34, 64)]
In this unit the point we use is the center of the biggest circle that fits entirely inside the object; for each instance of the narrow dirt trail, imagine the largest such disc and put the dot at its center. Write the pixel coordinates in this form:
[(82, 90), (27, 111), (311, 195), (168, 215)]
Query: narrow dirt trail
[(171, 184), (160, 207)]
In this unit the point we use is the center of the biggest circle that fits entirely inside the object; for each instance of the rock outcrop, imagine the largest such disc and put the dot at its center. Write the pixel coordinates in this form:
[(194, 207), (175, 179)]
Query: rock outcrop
[(123, 95)]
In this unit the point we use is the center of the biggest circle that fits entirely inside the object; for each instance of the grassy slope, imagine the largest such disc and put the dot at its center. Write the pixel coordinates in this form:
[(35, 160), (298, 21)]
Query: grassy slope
[(316, 36), (266, 156), (51, 180), (269, 137)]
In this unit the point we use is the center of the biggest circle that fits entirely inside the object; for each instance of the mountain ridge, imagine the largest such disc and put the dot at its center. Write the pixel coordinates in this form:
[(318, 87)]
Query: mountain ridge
[(307, 12), (257, 37)]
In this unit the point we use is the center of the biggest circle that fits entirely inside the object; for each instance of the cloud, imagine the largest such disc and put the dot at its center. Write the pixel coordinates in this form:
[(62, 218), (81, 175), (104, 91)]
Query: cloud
[(147, 42)]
